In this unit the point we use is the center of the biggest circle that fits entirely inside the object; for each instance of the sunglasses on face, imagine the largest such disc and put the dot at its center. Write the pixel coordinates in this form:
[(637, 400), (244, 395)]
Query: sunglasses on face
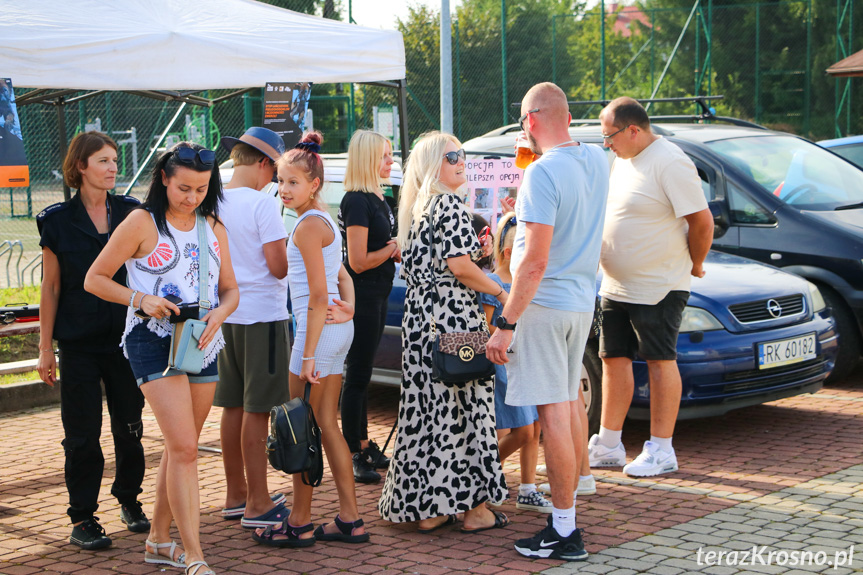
[(524, 117), (187, 156), (453, 157)]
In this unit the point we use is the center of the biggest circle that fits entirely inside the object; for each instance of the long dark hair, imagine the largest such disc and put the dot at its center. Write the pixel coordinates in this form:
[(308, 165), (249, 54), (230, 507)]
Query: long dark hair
[(157, 195)]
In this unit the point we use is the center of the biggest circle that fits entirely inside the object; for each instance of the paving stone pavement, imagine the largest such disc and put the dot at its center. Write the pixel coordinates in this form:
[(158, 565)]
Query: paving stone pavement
[(785, 476)]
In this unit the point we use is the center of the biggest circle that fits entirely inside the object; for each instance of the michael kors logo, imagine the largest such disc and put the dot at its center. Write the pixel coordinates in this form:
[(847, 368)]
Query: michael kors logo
[(465, 353)]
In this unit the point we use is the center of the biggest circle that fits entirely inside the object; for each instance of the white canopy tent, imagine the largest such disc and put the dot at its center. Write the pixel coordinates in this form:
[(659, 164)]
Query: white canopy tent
[(171, 49)]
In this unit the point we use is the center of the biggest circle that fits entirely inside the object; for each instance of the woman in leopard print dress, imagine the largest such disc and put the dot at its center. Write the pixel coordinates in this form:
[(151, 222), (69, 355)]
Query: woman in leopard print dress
[(445, 457)]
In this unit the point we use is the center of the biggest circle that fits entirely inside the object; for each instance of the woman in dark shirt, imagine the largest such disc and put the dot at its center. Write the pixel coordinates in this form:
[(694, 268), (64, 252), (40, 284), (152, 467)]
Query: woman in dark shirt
[(366, 223), (88, 332)]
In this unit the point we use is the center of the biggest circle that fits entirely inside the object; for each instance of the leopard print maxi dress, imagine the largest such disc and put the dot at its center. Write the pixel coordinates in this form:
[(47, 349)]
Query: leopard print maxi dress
[(445, 458)]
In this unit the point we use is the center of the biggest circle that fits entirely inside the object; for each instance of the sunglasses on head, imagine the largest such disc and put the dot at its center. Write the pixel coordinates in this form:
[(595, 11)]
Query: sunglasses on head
[(187, 156), (453, 157)]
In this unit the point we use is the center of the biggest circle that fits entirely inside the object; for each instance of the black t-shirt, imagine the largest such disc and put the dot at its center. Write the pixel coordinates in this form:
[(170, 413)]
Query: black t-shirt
[(368, 211)]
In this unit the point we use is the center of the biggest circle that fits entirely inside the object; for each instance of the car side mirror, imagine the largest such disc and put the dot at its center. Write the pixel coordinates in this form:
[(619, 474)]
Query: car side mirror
[(721, 219)]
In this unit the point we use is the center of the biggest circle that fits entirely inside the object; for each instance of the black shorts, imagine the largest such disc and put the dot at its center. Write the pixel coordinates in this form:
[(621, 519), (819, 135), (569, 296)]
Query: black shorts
[(648, 330)]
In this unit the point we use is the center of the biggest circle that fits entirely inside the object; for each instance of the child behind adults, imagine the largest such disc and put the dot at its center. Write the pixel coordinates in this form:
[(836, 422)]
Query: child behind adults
[(517, 426)]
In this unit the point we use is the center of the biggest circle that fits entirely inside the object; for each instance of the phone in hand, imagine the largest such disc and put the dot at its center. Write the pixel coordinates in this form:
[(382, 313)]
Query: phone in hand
[(484, 234), (171, 298)]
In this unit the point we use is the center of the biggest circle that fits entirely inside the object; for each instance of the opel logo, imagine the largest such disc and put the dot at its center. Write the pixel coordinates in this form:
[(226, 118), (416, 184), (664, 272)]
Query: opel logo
[(465, 353), (773, 308)]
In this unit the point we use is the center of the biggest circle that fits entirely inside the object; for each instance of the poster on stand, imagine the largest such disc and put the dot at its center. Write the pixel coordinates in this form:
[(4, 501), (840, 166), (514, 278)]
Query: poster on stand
[(285, 106), (14, 171), (487, 182)]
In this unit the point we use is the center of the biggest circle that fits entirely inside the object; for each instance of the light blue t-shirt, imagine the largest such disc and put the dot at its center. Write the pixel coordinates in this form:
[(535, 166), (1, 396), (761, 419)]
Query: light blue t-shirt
[(566, 188)]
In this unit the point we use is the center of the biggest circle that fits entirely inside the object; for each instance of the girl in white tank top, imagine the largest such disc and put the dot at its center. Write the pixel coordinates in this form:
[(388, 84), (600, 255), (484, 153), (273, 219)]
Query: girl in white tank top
[(318, 355)]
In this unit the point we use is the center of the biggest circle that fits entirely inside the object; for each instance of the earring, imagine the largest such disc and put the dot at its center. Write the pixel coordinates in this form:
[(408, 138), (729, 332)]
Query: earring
[(313, 196)]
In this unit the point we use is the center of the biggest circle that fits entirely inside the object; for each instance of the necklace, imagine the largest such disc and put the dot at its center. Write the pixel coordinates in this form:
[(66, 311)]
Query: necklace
[(179, 223)]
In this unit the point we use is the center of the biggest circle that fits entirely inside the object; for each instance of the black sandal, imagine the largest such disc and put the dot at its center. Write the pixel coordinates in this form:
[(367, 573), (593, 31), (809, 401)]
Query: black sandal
[(289, 536), (345, 532)]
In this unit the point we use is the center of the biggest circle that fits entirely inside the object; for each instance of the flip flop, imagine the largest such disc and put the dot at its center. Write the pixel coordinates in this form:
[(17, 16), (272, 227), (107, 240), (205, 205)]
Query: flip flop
[(450, 520), (273, 517), (238, 511), (500, 520)]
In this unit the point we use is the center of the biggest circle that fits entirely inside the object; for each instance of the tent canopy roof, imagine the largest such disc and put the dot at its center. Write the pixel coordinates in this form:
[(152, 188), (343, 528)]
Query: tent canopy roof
[(850, 66), (186, 46)]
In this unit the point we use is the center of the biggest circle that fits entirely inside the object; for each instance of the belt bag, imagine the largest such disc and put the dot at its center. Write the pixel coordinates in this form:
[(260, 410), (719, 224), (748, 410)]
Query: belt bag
[(294, 443), (183, 353), (457, 357)]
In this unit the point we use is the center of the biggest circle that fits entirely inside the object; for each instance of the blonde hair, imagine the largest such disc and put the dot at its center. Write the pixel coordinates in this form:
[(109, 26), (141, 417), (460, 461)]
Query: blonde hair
[(421, 181), (364, 160), (501, 242), (245, 155)]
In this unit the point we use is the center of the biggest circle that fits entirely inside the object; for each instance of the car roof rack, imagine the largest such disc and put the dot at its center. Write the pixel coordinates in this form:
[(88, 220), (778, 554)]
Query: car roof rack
[(702, 101)]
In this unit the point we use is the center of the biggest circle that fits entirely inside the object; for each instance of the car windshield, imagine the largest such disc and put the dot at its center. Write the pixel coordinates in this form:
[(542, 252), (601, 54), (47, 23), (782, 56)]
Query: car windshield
[(801, 174)]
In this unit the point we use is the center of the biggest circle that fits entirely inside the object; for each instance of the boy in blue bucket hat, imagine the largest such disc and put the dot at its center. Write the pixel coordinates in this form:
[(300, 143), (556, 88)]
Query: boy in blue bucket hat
[(253, 367)]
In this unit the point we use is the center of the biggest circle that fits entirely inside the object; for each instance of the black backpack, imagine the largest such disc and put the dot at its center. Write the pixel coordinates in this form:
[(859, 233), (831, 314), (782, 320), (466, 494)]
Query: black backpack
[(294, 444)]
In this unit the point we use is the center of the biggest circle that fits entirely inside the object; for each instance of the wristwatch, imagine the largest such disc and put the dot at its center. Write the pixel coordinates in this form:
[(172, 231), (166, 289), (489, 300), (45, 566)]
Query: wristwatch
[(501, 323)]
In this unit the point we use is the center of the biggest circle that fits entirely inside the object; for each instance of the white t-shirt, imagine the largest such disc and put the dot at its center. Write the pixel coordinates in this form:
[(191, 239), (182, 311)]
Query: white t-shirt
[(252, 220), (645, 248)]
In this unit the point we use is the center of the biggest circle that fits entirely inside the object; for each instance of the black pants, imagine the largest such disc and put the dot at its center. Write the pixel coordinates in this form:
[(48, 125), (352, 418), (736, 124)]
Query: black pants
[(369, 321), (81, 410)]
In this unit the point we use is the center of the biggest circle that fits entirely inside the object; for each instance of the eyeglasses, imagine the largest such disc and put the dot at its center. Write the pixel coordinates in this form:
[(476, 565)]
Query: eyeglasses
[(524, 117), (187, 156), (609, 137), (453, 157)]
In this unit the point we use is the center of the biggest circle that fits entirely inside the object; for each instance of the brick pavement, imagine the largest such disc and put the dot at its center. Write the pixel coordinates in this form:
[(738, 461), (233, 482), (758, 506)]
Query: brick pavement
[(786, 476)]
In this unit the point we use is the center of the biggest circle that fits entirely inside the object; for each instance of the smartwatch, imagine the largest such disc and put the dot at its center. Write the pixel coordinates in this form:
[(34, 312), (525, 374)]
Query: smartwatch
[(501, 323)]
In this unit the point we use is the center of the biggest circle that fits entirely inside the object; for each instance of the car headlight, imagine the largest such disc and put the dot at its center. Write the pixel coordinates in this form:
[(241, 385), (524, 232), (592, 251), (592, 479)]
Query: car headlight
[(818, 303), (697, 319)]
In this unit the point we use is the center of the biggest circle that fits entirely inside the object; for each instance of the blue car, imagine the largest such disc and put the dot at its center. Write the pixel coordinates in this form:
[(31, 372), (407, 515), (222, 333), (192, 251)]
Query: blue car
[(751, 333), (850, 148)]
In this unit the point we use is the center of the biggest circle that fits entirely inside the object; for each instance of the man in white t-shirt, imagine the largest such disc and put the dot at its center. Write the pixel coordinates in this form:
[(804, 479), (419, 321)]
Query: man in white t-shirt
[(253, 367), (658, 230)]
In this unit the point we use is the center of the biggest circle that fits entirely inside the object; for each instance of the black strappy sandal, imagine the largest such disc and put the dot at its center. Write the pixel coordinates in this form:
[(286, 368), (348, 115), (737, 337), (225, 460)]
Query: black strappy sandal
[(345, 532), (285, 535)]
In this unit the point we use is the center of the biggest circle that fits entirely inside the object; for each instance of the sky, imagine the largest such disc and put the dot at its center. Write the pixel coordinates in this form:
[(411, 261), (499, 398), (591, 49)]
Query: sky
[(383, 13)]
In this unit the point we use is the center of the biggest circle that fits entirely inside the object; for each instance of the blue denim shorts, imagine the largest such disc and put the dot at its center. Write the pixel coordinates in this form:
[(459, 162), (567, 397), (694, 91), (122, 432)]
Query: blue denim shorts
[(148, 356)]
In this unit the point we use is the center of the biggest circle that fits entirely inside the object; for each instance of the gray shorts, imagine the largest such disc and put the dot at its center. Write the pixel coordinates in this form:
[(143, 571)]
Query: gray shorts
[(546, 354), (253, 367)]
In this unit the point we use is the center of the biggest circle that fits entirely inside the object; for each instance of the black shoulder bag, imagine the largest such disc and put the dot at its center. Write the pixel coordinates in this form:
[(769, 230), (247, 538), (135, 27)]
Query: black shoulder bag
[(457, 357), (294, 443)]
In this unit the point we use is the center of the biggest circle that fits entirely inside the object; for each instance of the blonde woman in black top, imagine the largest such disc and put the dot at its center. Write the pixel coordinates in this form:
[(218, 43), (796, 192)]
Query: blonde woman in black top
[(367, 223)]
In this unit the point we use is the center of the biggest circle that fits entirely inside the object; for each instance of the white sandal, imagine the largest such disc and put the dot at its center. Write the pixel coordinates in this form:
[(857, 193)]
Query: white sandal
[(161, 559), (196, 565)]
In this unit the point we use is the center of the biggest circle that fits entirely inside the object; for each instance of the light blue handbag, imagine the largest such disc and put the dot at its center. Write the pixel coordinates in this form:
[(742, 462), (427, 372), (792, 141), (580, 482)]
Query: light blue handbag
[(183, 353)]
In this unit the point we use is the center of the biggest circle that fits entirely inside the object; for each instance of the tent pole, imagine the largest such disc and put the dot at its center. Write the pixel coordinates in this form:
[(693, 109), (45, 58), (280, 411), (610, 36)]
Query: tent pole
[(61, 133)]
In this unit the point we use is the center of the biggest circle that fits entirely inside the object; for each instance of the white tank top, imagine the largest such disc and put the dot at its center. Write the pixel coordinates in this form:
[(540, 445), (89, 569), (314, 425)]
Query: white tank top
[(172, 268), (297, 278)]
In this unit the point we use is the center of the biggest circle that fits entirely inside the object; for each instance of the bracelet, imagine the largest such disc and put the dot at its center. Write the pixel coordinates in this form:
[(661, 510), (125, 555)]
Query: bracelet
[(46, 350), (308, 358), (500, 292), (132, 298)]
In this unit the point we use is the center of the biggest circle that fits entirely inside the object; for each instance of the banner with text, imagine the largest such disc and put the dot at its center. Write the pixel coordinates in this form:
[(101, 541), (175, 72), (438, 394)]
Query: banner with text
[(285, 106), (488, 181), (14, 171)]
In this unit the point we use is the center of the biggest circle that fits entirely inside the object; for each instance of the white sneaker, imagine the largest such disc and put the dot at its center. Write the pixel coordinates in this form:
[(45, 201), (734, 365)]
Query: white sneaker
[(602, 456), (652, 461), (541, 470), (586, 487)]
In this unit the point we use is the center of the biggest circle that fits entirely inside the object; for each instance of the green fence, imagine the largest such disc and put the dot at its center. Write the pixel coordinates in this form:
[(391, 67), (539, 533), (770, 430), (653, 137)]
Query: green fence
[(767, 59)]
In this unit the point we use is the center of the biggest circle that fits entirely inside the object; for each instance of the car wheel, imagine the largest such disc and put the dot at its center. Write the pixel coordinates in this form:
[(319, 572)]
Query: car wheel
[(591, 385), (849, 337)]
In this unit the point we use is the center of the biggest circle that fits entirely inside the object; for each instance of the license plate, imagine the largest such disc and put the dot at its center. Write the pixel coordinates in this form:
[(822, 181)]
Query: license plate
[(786, 351)]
